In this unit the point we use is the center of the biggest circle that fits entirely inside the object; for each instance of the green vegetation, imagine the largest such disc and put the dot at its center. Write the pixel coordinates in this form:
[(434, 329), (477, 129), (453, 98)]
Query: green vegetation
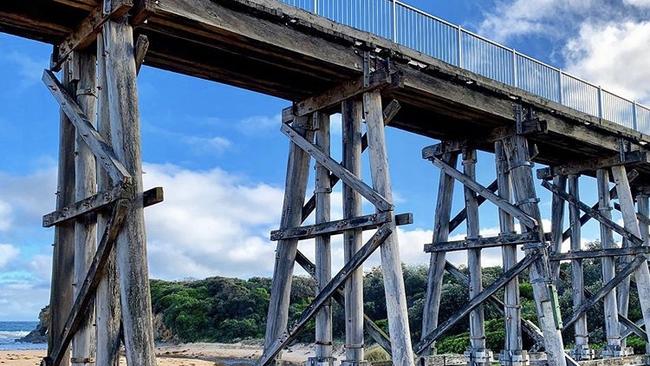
[(228, 310)]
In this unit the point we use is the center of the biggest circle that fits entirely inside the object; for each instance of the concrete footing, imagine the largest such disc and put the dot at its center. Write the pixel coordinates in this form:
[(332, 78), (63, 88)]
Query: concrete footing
[(478, 357), (514, 358), (319, 361), (582, 353)]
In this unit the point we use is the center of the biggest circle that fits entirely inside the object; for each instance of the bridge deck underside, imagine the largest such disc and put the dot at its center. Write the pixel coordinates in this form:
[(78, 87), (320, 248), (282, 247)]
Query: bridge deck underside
[(271, 48)]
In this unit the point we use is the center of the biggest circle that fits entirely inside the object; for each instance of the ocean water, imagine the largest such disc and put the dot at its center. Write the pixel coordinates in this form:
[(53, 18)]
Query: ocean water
[(10, 332)]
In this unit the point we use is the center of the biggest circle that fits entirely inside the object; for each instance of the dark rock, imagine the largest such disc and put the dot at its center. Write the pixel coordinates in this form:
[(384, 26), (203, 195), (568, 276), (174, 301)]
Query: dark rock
[(39, 335)]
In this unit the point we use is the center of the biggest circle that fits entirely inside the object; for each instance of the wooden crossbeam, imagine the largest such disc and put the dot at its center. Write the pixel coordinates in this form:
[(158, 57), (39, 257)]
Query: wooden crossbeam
[(583, 166), (98, 202), (600, 253), (99, 147), (375, 332), (595, 214), (476, 301), (529, 327), (591, 301), (141, 48), (366, 222), (390, 112), (470, 183), (86, 32), (86, 293), (349, 89), (327, 292), (631, 176), (346, 176), (482, 243)]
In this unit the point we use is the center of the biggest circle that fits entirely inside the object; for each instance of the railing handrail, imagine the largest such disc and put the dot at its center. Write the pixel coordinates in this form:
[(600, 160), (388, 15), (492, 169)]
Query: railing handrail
[(556, 92)]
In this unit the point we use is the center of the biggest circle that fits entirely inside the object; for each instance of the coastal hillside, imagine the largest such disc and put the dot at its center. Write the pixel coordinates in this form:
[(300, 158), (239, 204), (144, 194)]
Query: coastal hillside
[(227, 310)]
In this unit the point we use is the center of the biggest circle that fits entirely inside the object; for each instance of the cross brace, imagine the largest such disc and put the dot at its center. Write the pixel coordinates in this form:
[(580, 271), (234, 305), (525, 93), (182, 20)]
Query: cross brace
[(98, 202), (96, 143), (87, 291), (470, 183), (327, 292), (389, 113), (591, 301), (340, 226), (376, 333), (346, 176), (593, 213), (476, 301), (482, 243)]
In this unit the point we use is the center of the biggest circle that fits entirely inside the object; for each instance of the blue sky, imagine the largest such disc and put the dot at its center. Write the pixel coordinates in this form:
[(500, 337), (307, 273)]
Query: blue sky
[(218, 152)]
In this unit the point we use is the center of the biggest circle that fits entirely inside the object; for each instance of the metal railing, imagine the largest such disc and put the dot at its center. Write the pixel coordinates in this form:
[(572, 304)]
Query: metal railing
[(423, 32)]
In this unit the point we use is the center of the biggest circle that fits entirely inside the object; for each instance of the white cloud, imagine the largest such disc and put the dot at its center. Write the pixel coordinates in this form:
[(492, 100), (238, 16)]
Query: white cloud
[(638, 3), (5, 216), (29, 69), (8, 253), (613, 55), (216, 144), (259, 124)]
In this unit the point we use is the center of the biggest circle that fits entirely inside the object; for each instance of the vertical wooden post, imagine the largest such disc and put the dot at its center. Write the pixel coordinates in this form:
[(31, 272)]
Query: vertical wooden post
[(513, 353), (612, 326), (108, 292), (643, 203), (131, 243), (477, 353), (63, 258), (352, 114), (85, 180), (581, 350), (557, 224), (517, 153), (323, 248), (642, 274), (294, 197), (437, 261), (396, 307)]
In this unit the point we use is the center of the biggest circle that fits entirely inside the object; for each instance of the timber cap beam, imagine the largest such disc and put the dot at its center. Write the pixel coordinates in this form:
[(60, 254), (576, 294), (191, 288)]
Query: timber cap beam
[(600, 253), (367, 222), (581, 167), (488, 242)]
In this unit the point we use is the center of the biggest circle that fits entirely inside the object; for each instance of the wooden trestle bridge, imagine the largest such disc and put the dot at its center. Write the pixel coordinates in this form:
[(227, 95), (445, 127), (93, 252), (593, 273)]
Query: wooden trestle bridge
[(326, 68)]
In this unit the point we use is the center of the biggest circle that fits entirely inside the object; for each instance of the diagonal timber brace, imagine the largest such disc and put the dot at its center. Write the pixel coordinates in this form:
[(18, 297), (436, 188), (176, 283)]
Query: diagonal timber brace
[(346, 176), (506, 277), (593, 213), (328, 291), (525, 219), (377, 334), (389, 113), (87, 291), (100, 148), (591, 301)]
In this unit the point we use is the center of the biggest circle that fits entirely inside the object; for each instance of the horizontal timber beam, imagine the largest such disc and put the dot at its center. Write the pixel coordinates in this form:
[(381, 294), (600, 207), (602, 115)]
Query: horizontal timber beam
[(376, 333), (349, 89), (327, 292), (98, 202), (600, 253), (593, 213), (100, 148), (86, 32), (476, 301), (340, 226), (346, 176), (583, 166), (470, 183), (86, 293), (482, 243)]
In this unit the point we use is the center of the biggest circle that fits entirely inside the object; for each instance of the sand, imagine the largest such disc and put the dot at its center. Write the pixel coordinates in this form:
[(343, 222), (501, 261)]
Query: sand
[(194, 354)]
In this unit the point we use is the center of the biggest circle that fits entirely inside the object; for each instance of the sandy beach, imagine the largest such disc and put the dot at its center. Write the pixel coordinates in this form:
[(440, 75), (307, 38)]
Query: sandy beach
[(194, 354)]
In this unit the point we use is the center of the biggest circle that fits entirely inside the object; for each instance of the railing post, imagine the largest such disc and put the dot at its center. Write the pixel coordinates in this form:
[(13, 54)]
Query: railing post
[(316, 7), (395, 21), (600, 102), (515, 77), (634, 116), (460, 46), (560, 86)]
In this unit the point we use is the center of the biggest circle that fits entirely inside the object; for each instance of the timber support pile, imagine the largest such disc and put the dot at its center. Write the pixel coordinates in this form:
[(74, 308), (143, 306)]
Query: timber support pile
[(100, 288)]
